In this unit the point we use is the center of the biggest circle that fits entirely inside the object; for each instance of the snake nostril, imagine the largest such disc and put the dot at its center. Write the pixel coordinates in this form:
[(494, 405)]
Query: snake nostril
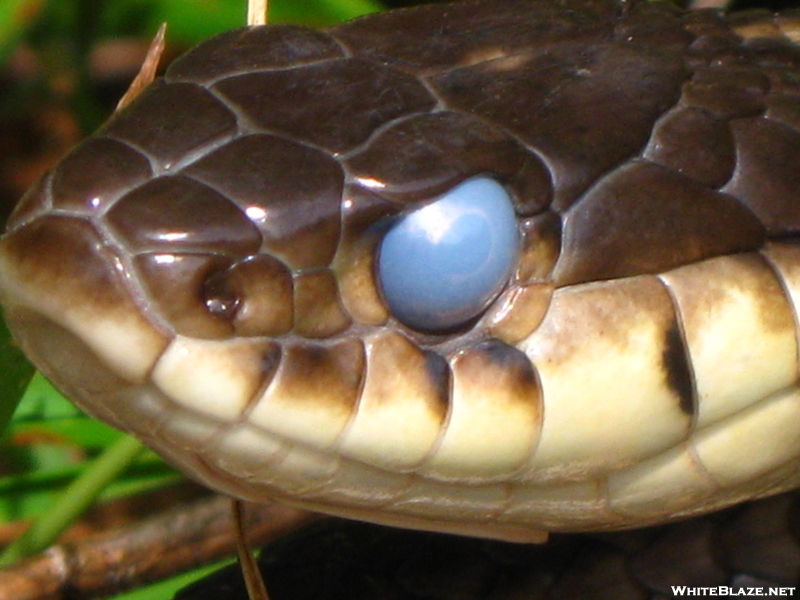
[(222, 306), (220, 298), (255, 295)]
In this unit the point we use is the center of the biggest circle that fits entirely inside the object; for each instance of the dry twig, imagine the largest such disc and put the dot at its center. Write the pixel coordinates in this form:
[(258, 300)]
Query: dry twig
[(172, 542)]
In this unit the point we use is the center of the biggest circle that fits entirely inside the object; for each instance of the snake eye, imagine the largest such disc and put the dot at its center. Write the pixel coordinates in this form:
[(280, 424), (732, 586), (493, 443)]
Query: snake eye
[(442, 264)]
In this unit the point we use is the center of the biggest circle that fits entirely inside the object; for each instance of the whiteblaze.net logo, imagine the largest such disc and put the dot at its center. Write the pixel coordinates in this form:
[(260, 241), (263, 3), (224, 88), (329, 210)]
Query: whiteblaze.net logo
[(726, 591)]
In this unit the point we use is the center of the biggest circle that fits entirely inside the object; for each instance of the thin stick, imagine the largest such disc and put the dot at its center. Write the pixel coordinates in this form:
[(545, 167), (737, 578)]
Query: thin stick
[(256, 590), (171, 542), (257, 12), (147, 72)]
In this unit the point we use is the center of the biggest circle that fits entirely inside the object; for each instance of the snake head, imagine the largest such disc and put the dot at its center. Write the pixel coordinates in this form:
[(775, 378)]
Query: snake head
[(215, 270), (206, 265)]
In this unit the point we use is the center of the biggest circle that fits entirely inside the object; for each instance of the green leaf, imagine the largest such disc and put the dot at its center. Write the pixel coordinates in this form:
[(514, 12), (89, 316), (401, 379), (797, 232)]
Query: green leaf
[(191, 21), (15, 374), (42, 402), (165, 590)]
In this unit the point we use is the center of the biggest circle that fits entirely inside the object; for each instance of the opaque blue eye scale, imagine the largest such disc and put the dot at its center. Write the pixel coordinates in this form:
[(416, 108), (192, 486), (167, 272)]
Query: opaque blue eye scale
[(442, 264)]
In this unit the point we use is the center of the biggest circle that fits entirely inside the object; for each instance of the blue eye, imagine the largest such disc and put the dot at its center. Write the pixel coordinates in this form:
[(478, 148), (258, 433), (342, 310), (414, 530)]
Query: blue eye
[(442, 264)]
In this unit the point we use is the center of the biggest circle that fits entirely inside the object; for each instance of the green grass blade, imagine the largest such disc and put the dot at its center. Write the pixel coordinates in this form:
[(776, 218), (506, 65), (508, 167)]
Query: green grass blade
[(166, 589), (15, 374), (76, 498)]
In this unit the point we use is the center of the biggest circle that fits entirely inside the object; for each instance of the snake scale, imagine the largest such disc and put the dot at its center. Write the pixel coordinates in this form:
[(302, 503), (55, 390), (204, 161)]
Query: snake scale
[(209, 270)]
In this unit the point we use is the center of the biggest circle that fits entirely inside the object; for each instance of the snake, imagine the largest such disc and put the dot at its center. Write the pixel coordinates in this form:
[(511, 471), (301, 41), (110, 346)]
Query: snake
[(498, 268)]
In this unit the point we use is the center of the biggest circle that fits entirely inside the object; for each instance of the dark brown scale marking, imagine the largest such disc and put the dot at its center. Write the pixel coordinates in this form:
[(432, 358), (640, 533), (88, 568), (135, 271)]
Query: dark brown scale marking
[(767, 177), (785, 108), (510, 360), (653, 23), (719, 47), (253, 49), (178, 214), (695, 143), (336, 105), (151, 123), (495, 365), (644, 218), (366, 215), (779, 60), (677, 368), (709, 25), (714, 41), (424, 156), (327, 376), (465, 33), (270, 361), (727, 92), (96, 173), (584, 108), (290, 191), (439, 373), (67, 255)]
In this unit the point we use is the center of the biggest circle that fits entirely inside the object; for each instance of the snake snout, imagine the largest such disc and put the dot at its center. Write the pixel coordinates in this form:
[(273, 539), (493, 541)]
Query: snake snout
[(158, 309), (58, 269)]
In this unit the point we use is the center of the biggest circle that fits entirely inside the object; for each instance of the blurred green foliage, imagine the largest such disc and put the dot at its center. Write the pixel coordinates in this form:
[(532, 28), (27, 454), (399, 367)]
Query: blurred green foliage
[(61, 33), (84, 22)]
